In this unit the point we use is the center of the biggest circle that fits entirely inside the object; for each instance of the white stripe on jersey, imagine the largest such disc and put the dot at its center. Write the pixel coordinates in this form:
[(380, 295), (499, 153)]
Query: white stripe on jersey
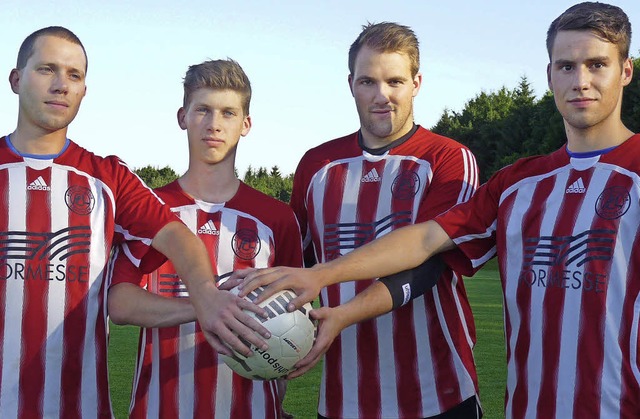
[(186, 361), (469, 177), (55, 331), (635, 339), (11, 350)]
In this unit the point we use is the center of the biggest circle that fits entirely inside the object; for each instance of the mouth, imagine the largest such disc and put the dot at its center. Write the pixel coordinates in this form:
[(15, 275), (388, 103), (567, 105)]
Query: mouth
[(582, 102), (381, 112), (57, 104), (212, 141)]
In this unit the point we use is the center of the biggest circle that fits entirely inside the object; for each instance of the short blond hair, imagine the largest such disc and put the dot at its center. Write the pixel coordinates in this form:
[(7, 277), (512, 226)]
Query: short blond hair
[(387, 37), (220, 75)]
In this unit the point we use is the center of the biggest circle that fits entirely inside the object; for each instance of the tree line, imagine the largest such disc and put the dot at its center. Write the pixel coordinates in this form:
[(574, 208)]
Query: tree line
[(271, 182), (499, 127)]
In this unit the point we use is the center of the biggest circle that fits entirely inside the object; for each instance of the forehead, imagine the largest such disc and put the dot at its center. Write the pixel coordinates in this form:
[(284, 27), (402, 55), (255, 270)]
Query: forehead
[(223, 98), (575, 45), (53, 49), (369, 61)]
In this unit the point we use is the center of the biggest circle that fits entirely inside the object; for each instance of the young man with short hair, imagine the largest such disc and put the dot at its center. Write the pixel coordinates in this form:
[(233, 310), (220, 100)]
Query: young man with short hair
[(62, 209), (565, 228), (178, 374), (417, 360)]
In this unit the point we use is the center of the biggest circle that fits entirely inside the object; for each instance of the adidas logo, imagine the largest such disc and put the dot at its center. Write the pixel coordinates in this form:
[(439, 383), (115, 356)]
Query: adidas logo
[(38, 185), (576, 187), (372, 176), (209, 228)]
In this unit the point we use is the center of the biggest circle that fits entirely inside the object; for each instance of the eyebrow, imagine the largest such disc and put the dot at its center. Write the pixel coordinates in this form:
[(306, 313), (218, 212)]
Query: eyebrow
[(602, 58)]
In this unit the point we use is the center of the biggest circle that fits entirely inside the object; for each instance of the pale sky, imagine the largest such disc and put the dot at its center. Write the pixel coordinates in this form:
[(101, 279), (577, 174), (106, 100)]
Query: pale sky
[(295, 54)]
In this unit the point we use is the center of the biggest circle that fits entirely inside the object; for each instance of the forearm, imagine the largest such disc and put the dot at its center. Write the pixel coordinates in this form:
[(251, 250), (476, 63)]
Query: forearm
[(374, 301), (130, 304), (397, 251)]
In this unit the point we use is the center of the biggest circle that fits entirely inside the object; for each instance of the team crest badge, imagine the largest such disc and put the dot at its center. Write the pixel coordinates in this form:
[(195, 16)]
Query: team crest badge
[(405, 186), (80, 200), (613, 203), (246, 244)]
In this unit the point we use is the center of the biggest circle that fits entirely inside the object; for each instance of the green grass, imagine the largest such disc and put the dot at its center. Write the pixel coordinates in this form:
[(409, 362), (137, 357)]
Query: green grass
[(302, 393)]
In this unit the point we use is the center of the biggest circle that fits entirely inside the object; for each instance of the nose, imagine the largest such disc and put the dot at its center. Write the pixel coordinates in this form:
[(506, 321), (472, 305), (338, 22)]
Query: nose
[(213, 122), (582, 79), (59, 84), (382, 93)]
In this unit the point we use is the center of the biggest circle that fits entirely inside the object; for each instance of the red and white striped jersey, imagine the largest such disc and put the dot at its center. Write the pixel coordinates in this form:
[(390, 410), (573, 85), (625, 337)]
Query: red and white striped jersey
[(178, 374), (417, 360), (59, 217), (566, 232)]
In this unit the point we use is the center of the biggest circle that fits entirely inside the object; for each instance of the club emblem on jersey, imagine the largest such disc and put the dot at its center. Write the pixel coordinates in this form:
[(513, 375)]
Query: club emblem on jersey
[(613, 202), (405, 185), (246, 244), (79, 200)]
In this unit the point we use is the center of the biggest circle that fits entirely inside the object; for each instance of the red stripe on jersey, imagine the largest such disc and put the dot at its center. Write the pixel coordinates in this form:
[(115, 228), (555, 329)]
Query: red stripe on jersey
[(169, 372), (36, 286), (629, 400), (333, 370), (204, 376), (75, 313), (243, 388), (142, 378), (406, 358)]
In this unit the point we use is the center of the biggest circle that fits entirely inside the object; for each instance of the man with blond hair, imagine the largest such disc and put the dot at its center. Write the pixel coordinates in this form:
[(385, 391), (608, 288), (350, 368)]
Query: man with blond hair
[(415, 361)]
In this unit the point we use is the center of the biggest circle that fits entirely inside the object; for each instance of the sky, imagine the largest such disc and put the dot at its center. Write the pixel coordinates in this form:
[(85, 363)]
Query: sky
[(295, 54)]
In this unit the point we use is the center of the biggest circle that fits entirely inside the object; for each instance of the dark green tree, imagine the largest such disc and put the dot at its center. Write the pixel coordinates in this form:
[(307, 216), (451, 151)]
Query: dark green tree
[(155, 177)]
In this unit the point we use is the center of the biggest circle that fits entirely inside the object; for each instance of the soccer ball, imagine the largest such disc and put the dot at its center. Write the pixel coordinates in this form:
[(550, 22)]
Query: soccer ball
[(292, 335)]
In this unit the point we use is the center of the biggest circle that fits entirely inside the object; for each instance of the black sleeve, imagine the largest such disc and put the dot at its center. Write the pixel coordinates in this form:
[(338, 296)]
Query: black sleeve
[(406, 285)]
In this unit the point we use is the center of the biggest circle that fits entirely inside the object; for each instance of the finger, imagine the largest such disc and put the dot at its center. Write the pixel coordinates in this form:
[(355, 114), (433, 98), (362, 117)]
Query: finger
[(241, 273), (300, 300), (244, 327), (230, 284), (235, 341), (257, 278), (303, 366), (217, 344), (250, 321)]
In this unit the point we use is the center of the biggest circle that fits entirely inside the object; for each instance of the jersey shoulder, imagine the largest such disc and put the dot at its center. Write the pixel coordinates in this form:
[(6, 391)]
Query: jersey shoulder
[(259, 204), (336, 149)]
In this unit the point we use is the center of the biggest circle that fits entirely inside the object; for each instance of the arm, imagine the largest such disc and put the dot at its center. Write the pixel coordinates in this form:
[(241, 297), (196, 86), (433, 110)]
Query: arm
[(219, 312), (397, 251), (130, 304)]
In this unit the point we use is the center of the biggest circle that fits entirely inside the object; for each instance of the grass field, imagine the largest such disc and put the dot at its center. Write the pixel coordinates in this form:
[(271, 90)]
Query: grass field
[(485, 297)]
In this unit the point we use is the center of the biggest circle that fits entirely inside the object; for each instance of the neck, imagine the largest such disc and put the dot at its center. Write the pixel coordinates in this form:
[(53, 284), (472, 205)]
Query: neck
[(210, 183), (39, 143), (596, 137)]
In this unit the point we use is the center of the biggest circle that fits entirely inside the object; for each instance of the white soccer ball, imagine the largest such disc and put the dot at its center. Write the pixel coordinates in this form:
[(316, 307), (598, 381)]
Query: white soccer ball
[(292, 335)]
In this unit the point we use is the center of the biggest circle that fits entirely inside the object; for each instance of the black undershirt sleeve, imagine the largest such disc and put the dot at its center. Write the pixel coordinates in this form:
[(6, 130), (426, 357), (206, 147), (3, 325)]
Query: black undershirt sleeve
[(406, 285)]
